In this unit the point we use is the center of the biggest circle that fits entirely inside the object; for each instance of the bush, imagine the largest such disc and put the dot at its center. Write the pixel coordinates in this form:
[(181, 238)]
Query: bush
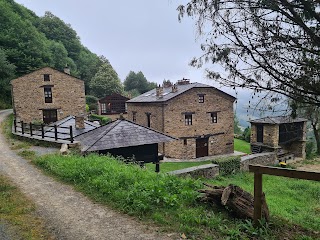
[(92, 102), (101, 119), (246, 134), (309, 149), (228, 165)]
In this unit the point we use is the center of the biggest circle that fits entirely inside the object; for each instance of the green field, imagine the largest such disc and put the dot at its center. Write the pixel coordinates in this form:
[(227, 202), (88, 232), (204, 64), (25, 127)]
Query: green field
[(242, 146)]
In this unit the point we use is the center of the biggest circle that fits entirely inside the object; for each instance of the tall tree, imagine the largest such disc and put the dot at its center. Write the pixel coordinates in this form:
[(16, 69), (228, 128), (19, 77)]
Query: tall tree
[(105, 82), (138, 82), (269, 45)]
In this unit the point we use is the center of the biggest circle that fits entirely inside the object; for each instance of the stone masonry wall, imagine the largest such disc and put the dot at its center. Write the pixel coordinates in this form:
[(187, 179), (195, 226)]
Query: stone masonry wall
[(68, 95), (207, 171), (260, 158), (169, 118), (270, 134)]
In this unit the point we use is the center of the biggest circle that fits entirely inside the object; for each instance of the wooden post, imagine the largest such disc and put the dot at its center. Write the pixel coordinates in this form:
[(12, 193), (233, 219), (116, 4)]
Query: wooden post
[(157, 167), (42, 131), (257, 215), (22, 127), (15, 125), (30, 129), (55, 132), (71, 134)]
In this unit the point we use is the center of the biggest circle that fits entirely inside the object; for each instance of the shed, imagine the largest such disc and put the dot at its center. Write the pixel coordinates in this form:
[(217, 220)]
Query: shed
[(280, 133), (124, 138)]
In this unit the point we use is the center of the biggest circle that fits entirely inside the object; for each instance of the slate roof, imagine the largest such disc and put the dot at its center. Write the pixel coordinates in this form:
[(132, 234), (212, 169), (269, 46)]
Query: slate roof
[(120, 133), (278, 120), (168, 94), (63, 128)]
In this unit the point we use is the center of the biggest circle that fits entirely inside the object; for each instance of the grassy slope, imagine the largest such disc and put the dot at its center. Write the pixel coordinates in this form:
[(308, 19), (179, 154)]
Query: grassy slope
[(241, 146), (171, 166)]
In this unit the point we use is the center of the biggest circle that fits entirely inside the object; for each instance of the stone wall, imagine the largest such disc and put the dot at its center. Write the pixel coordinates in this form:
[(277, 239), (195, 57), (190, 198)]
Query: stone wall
[(68, 95), (169, 118), (206, 171), (265, 159), (270, 134)]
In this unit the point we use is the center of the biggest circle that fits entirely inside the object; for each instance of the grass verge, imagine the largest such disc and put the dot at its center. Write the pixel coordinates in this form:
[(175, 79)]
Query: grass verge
[(171, 201), (241, 146), (172, 166), (17, 214)]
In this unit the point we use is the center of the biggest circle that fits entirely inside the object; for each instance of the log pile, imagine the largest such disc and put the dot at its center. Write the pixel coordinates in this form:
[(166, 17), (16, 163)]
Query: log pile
[(233, 198)]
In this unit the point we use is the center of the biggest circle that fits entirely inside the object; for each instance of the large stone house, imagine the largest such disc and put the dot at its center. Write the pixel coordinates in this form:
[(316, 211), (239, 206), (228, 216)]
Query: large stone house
[(199, 115), (279, 134), (47, 95)]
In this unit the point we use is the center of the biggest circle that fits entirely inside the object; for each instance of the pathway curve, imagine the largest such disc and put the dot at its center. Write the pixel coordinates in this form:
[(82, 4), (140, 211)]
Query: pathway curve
[(67, 213)]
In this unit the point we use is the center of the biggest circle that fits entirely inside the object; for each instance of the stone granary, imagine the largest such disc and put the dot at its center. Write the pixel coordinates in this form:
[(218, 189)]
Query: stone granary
[(112, 104), (198, 115), (47, 95), (280, 134), (124, 138)]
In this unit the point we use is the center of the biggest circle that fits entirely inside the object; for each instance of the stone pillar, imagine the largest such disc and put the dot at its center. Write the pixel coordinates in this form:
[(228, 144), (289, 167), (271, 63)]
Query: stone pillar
[(79, 122)]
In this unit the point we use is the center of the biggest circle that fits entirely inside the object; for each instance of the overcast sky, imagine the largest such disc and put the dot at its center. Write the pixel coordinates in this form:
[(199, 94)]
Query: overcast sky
[(140, 35)]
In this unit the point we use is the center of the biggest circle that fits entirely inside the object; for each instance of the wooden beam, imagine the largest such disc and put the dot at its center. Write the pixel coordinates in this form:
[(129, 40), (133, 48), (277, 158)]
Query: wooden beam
[(291, 173), (257, 214)]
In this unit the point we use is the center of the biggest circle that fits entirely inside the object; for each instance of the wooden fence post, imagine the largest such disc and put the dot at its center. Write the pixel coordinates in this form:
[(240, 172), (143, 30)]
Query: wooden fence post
[(257, 215), (15, 125), (22, 127), (71, 134), (42, 131), (55, 132), (30, 129)]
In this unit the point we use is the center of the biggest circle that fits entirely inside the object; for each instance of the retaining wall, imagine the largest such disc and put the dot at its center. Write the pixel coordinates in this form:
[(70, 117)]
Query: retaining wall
[(206, 171), (268, 158)]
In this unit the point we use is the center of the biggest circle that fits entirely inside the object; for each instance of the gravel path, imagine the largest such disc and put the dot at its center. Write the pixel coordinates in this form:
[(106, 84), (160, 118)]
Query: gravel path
[(67, 213)]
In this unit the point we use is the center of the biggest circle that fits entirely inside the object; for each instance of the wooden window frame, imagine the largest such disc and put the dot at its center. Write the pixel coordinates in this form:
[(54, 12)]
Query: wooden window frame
[(134, 116), (188, 119), (103, 108), (214, 117), (201, 98), (185, 142), (47, 77), (148, 119), (47, 94)]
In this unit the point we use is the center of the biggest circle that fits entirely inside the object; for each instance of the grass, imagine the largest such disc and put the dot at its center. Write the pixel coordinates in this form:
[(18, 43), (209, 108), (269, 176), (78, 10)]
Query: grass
[(17, 214), (242, 146), (172, 166), (172, 202)]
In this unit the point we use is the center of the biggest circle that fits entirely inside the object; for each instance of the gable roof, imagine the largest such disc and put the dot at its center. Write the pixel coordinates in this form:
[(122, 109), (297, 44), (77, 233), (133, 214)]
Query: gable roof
[(168, 94), (120, 133), (112, 96), (64, 130), (49, 68), (278, 120)]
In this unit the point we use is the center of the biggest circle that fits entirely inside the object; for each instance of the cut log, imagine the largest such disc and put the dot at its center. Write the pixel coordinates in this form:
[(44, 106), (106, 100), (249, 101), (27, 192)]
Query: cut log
[(235, 199)]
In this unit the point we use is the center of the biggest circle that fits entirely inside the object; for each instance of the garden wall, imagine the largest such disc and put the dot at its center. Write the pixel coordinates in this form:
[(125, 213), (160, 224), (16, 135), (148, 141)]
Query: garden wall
[(206, 171), (268, 158)]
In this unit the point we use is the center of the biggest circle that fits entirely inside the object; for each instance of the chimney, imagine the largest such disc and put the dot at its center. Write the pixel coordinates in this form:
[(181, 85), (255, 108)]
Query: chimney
[(79, 121), (167, 83), (159, 91), (66, 69), (184, 81), (174, 88)]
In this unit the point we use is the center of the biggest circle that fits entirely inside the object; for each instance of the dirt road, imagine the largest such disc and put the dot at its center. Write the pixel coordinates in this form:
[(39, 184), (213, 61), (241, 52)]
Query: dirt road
[(67, 213)]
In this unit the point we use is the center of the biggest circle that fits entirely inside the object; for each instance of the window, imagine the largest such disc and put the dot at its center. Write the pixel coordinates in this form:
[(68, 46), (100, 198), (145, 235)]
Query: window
[(103, 108), (201, 98), (188, 119), (49, 115), (185, 142), (134, 116), (46, 77), (148, 119), (47, 95), (214, 117)]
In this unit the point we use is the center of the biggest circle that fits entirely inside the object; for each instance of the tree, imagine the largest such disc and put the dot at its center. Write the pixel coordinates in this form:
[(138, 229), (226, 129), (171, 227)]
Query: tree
[(138, 82), (237, 129), (105, 82), (246, 134), (270, 45)]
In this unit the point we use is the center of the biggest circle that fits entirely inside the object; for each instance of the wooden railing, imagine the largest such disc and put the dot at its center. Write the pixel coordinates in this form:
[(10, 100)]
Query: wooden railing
[(259, 170), (44, 131)]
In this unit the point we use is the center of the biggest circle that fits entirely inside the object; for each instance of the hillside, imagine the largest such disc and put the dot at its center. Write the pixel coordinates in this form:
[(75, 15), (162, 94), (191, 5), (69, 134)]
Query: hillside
[(29, 42)]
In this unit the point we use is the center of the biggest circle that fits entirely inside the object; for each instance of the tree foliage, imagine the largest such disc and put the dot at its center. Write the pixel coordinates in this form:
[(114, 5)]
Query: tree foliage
[(105, 82), (265, 45), (137, 82)]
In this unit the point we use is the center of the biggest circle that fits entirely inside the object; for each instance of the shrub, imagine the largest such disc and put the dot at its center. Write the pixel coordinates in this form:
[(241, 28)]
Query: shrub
[(228, 165), (101, 119), (309, 149)]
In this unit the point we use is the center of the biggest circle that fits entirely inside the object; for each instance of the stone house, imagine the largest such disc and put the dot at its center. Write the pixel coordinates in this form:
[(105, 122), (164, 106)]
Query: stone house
[(279, 134), (47, 95), (198, 115)]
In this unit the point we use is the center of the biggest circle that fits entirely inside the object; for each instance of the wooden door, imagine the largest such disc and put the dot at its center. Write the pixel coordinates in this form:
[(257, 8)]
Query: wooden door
[(201, 147), (49, 116), (260, 133)]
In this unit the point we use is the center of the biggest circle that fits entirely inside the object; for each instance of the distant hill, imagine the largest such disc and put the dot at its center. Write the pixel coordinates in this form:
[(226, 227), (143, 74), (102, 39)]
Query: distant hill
[(29, 42)]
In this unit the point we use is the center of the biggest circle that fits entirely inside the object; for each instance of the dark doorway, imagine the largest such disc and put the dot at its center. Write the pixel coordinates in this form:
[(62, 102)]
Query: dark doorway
[(49, 116), (201, 147), (260, 133)]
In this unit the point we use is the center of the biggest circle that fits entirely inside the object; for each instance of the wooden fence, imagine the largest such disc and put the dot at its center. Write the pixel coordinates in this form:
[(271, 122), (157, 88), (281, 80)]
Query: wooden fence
[(44, 131), (259, 170)]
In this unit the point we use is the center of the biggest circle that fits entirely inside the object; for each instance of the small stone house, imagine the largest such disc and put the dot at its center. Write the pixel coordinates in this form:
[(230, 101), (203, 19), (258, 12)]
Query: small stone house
[(198, 115), (47, 95), (112, 104), (281, 133)]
